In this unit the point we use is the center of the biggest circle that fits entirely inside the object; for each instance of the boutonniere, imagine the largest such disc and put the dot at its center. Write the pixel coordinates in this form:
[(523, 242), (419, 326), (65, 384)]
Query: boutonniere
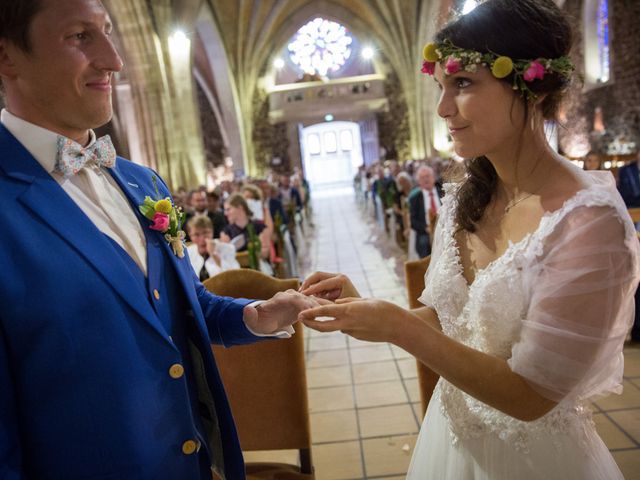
[(166, 218)]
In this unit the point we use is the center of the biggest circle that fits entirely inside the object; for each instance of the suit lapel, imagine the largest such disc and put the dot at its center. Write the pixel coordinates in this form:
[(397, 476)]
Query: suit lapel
[(49, 202), (134, 190)]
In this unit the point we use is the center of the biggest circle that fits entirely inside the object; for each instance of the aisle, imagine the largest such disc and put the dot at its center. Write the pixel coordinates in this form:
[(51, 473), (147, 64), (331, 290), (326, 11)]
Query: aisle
[(364, 397)]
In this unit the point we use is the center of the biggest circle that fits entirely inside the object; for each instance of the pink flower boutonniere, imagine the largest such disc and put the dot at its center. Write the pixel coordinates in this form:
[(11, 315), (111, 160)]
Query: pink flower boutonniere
[(166, 218)]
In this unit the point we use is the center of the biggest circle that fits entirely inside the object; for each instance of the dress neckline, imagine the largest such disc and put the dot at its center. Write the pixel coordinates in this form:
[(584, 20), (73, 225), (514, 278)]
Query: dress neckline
[(598, 181)]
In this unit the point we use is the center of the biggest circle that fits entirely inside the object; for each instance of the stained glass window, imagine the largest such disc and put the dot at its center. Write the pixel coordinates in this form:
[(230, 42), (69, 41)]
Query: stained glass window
[(320, 46), (603, 39)]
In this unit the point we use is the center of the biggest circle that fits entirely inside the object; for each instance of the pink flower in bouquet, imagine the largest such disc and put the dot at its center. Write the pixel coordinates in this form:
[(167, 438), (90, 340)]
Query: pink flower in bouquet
[(160, 222), (452, 65), (535, 70), (428, 67)]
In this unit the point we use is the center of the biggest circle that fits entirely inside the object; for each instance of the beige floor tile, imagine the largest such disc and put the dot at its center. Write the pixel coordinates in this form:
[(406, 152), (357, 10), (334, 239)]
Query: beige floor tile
[(375, 372), (337, 461), (388, 456), (629, 421), (379, 394), (629, 463), (630, 398), (632, 362), (417, 408), (291, 457), (413, 388), (611, 435), (332, 342), (334, 426), (386, 421), (328, 358), (355, 343), (400, 352), (333, 398), (329, 376), (376, 353), (408, 368)]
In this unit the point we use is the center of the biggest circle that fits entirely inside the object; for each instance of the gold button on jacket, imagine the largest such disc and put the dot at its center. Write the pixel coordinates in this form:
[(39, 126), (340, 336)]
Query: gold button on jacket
[(189, 447), (156, 294), (176, 370)]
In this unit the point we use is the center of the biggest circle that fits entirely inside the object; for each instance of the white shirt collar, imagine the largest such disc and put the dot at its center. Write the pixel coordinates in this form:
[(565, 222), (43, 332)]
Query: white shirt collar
[(41, 143)]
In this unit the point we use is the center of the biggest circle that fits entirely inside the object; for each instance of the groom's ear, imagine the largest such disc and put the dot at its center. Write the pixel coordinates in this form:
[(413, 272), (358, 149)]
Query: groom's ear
[(7, 64)]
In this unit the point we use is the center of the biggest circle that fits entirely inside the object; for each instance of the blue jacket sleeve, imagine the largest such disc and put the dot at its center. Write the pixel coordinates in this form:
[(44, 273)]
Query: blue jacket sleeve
[(10, 451), (224, 317)]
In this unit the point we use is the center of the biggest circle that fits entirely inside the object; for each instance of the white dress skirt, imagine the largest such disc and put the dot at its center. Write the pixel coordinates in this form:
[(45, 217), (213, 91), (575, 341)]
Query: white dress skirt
[(557, 306)]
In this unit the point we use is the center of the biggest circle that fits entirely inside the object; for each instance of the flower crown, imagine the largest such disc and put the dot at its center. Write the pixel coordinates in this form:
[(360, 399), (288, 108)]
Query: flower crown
[(458, 59)]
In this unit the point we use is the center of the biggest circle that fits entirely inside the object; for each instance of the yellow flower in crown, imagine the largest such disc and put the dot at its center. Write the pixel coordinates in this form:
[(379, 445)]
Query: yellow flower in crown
[(430, 52), (502, 67), (163, 206)]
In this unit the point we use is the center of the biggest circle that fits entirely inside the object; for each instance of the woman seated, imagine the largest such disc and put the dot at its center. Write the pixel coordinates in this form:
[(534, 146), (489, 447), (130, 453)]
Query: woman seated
[(208, 256), (240, 219)]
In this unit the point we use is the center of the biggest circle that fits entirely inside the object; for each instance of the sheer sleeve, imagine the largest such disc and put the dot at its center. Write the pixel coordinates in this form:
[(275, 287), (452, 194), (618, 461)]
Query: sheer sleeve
[(438, 242), (581, 307)]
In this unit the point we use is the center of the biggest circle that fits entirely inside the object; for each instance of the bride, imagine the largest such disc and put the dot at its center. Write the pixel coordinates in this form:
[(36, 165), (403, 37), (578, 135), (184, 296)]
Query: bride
[(529, 293)]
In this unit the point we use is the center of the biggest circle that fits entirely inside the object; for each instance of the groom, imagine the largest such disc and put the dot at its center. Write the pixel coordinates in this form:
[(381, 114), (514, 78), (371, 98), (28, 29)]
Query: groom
[(106, 370)]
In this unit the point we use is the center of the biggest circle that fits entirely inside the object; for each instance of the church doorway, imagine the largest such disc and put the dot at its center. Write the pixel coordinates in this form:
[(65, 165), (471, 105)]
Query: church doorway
[(332, 153)]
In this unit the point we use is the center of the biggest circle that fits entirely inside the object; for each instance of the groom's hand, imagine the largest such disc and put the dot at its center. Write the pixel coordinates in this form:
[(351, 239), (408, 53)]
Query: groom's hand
[(278, 313)]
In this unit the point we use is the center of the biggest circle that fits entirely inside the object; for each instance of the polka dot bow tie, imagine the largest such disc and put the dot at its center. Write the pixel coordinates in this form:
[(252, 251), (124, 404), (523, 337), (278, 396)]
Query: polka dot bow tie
[(72, 157)]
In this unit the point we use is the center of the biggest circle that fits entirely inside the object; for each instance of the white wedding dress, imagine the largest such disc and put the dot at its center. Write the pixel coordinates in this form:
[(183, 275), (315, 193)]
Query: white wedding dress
[(557, 306)]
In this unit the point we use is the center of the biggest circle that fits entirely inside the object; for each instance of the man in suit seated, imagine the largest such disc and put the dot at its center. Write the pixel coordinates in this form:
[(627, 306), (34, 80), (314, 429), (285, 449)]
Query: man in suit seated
[(201, 203), (424, 204), (208, 256), (629, 183), (629, 188), (106, 368)]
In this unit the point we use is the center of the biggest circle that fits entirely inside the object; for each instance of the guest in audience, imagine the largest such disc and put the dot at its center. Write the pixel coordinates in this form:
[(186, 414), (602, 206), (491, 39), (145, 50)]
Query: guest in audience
[(289, 196), (529, 292), (276, 208), (215, 212), (401, 207), (592, 161), (424, 205), (208, 256), (236, 232), (629, 183), (106, 368)]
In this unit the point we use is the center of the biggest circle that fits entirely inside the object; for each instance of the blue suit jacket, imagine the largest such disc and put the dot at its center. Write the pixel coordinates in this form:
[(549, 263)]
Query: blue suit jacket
[(84, 385), (629, 185)]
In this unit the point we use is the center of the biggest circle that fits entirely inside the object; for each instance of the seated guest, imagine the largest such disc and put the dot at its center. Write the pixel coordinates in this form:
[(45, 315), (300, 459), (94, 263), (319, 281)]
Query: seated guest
[(215, 212), (239, 218), (275, 205), (208, 256), (289, 195), (424, 204), (629, 183), (592, 161)]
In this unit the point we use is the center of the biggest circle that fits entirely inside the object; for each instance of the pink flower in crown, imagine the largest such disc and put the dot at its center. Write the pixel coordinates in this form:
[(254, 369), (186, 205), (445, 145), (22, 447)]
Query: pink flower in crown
[(160, 222), (452, 65), (533, 71), (428, 67)]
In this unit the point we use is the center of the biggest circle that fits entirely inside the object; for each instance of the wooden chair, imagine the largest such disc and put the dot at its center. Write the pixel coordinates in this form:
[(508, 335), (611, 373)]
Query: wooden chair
[(414, 272), (634, 213), (266, 383)]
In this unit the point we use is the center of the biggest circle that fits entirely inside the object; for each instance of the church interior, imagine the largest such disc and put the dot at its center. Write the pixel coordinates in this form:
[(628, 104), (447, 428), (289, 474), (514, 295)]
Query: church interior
[(218, 93)]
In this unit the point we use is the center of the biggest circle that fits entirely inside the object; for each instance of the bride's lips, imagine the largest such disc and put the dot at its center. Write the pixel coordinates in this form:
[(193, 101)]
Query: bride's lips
[(454, 131)]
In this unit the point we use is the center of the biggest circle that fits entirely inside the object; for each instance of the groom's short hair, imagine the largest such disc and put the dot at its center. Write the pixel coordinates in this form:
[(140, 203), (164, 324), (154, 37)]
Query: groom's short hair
[(15, 21)]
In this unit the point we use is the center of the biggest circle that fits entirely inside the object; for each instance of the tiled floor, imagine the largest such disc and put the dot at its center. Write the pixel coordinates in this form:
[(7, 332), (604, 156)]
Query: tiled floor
[(364, 397)]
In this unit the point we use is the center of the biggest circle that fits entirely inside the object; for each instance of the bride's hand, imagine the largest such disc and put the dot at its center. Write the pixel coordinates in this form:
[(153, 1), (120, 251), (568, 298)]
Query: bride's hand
[(329, 286), (365, 319)]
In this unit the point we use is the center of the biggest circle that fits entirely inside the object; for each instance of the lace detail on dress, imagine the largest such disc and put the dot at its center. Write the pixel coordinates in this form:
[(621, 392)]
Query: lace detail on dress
[(487, 315)]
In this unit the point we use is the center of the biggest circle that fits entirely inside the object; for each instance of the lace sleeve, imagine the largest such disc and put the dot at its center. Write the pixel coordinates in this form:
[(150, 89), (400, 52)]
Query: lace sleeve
[(581, 308)]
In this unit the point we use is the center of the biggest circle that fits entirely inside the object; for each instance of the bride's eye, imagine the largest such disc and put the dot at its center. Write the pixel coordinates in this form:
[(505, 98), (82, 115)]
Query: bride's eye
[(462, 82)]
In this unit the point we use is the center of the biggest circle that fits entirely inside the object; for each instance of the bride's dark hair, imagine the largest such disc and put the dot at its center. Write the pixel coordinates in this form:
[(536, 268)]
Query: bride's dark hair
[(520, 29)]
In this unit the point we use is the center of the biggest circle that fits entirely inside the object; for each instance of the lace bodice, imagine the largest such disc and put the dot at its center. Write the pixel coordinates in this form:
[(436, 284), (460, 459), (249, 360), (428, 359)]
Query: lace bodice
[(500, 314)]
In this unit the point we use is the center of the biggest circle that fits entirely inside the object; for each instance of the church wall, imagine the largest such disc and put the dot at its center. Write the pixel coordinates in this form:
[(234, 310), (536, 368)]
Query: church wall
[(619, 99)]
